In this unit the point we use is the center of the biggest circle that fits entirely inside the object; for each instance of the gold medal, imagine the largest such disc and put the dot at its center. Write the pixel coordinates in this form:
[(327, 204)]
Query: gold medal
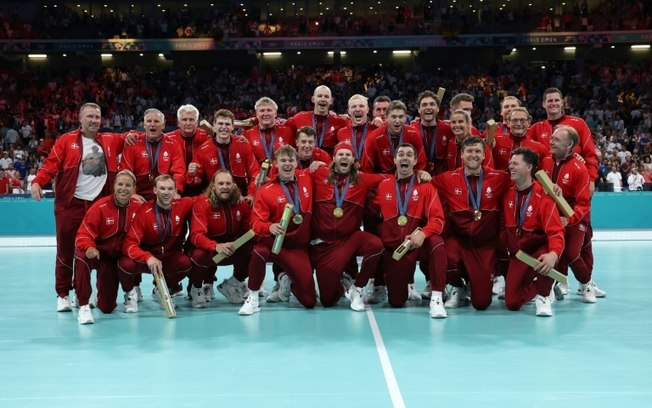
[(477, 215), (402, 221), (338, 212), (297, 219)]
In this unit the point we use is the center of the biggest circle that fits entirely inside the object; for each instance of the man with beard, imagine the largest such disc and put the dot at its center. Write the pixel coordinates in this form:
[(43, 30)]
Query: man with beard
[(320, 119), (433, 132), (219, 217), (154, 244), (153, 155), (296, 189), (77, 189), (517, 124), (473, 196), (267, 137), (356, 132), (98, 246), (405, 205), (189, 137), (532, 224), (226, 151), (340, 195)]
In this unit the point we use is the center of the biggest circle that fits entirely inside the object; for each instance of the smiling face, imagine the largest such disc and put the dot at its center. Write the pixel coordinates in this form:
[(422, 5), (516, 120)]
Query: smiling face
[(395, 121), (428, 110), (223, 186), (472, 157), (266, 115), (305, 146), (223, 129), (519, 170), (165, 190), (405, 160), (322, 99), (90, 119), (518, 123), (553, 104), (460, 126), (286, 164), (123, 189), (560, 144), (506, 107), (154, 124)]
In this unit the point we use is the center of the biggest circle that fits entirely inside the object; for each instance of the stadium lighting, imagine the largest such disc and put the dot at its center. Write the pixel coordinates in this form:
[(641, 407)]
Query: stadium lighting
[(641, 47), (569, 49), (161, 55), (514, 50), (106, 55), (37, 56), (331, 53), (272, 54), (401, 52)]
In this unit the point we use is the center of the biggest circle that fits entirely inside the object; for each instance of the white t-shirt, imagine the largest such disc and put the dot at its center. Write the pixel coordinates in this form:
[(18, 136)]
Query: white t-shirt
[(30, 180), (92, 171), (635, 182), (615, 178)]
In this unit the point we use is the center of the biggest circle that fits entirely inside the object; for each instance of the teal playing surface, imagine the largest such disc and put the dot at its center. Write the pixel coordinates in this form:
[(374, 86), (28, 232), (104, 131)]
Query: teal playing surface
[(584, 356)]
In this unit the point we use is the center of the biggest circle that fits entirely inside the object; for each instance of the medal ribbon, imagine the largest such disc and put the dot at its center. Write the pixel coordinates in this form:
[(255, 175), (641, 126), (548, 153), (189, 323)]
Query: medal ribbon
[(432, 147), (220, 157), (269, 150), (295, 201), (322, 134), (165, 232), (522, 209), (391, 144), (475, 201), (358, 149), (153, 158), (402, 201), (339, 197)]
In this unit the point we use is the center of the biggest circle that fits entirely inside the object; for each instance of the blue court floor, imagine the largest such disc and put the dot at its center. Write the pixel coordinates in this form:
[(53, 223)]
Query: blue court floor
[(584, 356)]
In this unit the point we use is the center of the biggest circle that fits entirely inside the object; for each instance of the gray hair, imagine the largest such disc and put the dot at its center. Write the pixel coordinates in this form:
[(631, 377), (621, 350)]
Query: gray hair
[(188, 108)]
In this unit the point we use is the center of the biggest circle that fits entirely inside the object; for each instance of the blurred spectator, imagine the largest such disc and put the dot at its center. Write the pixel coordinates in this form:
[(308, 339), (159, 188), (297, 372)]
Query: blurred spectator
[(615, 178), (4, 183), (5, 161), (635, 179)]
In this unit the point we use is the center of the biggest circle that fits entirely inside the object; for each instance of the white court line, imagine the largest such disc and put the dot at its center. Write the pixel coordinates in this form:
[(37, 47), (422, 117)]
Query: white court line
[(388, 372)]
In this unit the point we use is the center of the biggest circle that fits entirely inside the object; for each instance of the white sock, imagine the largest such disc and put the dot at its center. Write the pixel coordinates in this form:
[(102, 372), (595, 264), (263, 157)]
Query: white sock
[(435, 294), (254, 293)]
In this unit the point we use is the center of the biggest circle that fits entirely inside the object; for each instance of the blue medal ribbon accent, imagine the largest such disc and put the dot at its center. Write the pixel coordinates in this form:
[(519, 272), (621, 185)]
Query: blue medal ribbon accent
[(295, 201), (165, 232), (339, 196), (391, 144), (220, 157), (269, 150), (432, 147), (357, 150), (402, 201), (153, 158), (322, 134), (475, 201), (522, 209)]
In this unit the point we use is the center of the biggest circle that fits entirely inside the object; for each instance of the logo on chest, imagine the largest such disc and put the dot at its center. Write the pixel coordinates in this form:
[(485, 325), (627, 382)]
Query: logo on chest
[(109, 221), (216, 215)]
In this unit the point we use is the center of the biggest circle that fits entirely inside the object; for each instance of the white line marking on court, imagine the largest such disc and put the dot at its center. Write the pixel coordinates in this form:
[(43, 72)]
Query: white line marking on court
[(388, 372)]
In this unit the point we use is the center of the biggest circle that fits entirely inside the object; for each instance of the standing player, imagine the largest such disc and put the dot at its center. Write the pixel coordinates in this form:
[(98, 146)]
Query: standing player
[(473, 197), (219, 217), (310, 156), (356, 132), (532, 224), (153, 155), (542, 131), (380, 109), (433, 132), (340, 195), (226, 151), (572, 179), (267, 137), (406, 205), (188, 137), (320, 119), (460, 125), (518, 122), (83, 164), (296, 189), (155, 242), (98, 246)]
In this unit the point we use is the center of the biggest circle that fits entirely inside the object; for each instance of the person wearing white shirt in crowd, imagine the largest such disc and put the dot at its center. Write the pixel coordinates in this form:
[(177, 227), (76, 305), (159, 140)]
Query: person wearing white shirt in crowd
[(614, 177), (635, 179), (30, 178), (5, 161)]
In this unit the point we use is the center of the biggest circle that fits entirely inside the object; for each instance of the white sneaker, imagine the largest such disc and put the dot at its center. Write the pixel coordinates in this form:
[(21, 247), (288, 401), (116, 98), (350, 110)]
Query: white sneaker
[(198, 299), (588, 293), (437, 310), (250, 306), (457, 298), (557, 292), (354, 294), (157, 299), (74, 302), (131, 301), (543, 306), (498, 286), (209, 293), (599, 293), (564, 288), (285, 284), (413, 294), (427, 291), (242, 289), (230, 292), (139, 293), (378, 295), (63, 304), (347, 282), (273, 296), (369, 289), (85, 315)]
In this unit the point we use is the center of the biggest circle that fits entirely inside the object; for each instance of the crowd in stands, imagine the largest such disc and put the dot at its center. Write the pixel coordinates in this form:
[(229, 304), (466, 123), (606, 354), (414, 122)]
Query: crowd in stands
[(35, 107), (449, 19)]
